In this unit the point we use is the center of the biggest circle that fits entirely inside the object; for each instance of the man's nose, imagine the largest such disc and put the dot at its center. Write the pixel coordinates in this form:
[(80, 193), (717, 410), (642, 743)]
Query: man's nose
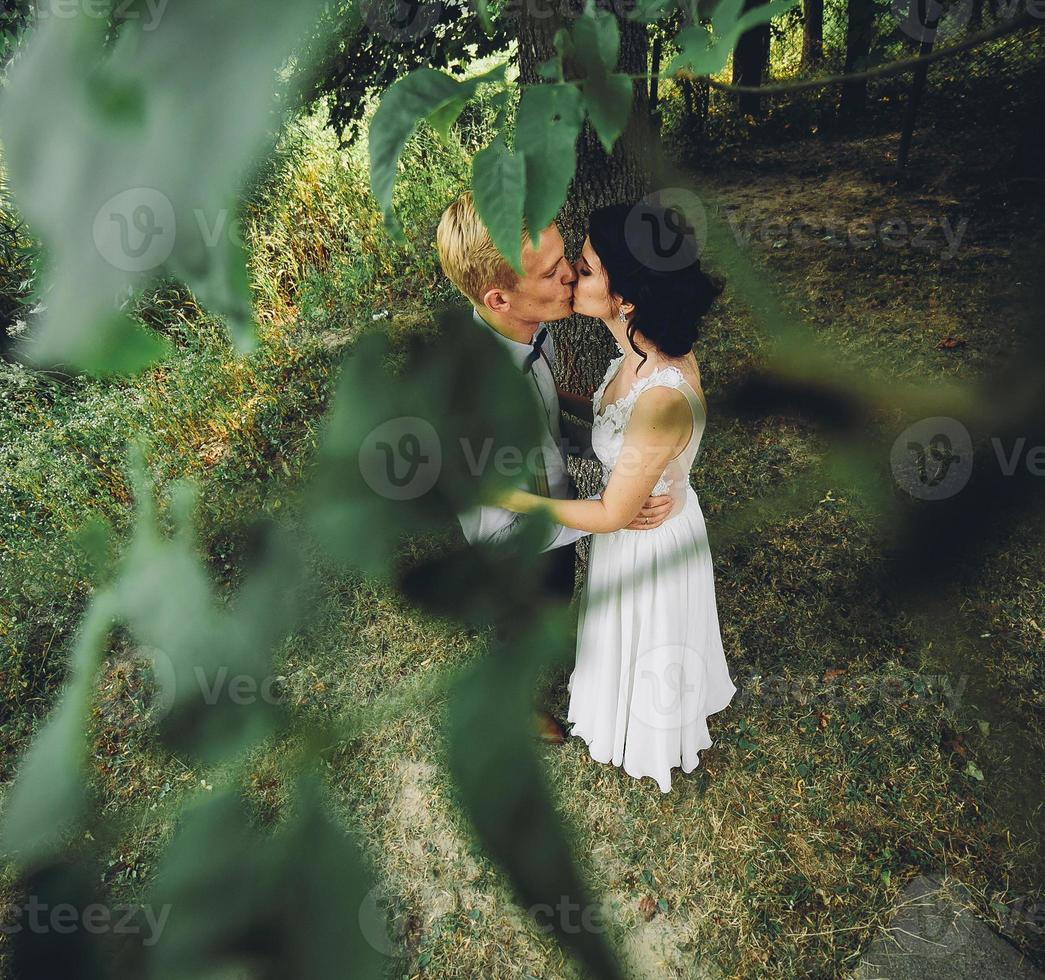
[(571, 274)]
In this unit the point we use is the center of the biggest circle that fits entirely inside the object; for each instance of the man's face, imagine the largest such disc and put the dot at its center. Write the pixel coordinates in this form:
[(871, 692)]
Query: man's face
[(545, 289)]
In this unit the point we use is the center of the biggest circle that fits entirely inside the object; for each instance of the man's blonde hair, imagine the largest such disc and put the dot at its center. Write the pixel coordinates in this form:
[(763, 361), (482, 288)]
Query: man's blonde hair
[(468, 255)]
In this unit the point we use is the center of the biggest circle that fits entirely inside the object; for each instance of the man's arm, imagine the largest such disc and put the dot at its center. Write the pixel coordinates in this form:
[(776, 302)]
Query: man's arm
[(494, 525)]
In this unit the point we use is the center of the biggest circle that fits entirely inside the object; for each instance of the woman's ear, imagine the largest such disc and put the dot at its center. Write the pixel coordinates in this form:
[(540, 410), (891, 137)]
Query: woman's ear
[(627, 308)]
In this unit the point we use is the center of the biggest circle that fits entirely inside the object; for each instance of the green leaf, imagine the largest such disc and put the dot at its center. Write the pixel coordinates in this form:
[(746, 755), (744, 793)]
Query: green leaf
[(423, 94), (546, 130), (414, 97), (649, 11), (706, 51), (971, 769), (596, 40), (446, 115), (499, 188), (608, 101)]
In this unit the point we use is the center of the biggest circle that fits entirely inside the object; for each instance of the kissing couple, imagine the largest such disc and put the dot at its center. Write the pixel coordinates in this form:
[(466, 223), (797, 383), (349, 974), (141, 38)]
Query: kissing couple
[(649, 664)]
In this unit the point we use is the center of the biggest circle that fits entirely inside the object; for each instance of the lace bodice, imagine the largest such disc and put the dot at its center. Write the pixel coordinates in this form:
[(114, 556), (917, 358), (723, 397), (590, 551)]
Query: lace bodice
[(607, 433)]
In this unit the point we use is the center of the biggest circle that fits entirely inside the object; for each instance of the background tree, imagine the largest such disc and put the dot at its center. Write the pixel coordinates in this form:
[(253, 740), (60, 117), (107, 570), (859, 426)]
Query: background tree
[(601, 178), (812, 34), (858, 36), (751, 61)]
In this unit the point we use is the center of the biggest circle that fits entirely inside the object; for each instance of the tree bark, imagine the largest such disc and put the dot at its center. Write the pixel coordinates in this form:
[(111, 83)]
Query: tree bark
[(750, 62), (584, 345), (921, 72), (859, 32), (812, 34)]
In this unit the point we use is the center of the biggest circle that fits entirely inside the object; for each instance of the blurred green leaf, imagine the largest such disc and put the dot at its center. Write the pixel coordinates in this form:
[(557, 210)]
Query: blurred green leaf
[(503, 789), (48, 801), (292, 903), (608, 101), (405, 453), (127, 166)]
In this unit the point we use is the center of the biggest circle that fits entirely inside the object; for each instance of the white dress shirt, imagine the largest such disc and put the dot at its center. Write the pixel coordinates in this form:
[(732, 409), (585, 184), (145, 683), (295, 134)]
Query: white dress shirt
[(489, 523)]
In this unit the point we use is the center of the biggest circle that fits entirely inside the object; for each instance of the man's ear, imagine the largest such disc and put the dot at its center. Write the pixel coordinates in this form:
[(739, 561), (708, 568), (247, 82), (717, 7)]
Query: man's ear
[(494, 299)]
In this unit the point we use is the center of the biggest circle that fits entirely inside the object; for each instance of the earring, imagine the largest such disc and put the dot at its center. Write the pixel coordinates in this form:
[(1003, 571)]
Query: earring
[(622, 316)]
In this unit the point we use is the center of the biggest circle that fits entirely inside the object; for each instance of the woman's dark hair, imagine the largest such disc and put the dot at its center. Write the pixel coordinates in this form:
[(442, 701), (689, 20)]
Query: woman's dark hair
[(650, 254)]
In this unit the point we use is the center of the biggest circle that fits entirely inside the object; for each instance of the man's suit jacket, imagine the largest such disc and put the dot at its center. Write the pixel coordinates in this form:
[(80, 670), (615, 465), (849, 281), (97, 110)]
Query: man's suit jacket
[(488, 523)]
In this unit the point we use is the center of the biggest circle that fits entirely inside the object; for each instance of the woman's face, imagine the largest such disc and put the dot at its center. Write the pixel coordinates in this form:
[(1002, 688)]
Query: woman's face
[(591, 295)]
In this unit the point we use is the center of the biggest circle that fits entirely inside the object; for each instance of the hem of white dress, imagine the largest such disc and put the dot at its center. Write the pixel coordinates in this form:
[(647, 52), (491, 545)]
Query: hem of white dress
[(678, 765), (641, 775)]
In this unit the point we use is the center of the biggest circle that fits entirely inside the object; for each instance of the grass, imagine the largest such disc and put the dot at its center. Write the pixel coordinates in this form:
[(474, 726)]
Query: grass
[(841, 770)]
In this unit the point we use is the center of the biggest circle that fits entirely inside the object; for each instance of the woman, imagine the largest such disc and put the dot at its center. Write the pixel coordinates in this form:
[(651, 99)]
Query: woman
[(650, 666)]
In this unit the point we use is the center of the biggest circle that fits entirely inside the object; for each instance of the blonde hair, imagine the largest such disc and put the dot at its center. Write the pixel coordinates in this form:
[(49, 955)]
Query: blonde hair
[(469, 258)]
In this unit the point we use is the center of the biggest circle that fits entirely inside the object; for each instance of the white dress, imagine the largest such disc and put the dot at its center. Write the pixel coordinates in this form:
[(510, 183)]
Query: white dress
[(650, 666)]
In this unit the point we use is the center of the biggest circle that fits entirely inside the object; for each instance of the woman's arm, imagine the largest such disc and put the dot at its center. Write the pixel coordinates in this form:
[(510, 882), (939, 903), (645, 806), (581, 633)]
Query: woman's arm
[(659, 422), (575, 404)]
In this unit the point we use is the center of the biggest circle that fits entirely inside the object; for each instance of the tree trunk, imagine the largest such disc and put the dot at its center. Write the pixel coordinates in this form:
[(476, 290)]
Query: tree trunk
[(858, 37), (932, 19), (584, 345), (812, 34), (751, 61)]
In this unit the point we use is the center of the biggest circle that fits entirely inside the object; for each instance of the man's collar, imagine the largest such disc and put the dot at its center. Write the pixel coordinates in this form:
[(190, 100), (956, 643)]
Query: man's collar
[(517, 349)]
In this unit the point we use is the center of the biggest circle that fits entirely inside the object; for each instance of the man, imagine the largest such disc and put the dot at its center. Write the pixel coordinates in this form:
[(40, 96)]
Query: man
[(516, 308)]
